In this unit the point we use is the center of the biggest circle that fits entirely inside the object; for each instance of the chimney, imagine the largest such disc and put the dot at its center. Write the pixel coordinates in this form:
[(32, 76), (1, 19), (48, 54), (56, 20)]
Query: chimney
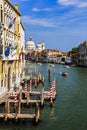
[(16, 6)]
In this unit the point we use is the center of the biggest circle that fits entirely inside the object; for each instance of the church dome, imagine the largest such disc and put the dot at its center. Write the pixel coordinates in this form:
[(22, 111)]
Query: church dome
[(30, 45), (30, 42)]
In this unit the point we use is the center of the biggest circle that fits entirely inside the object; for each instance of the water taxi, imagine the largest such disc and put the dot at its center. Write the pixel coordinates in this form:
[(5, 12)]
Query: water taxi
[(52, 65), (66, 66), (64, 74)]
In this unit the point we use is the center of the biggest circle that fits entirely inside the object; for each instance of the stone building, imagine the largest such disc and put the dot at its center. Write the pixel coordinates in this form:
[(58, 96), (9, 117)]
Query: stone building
[(82, 54), (11, 46), (40, 46), (30, 45)]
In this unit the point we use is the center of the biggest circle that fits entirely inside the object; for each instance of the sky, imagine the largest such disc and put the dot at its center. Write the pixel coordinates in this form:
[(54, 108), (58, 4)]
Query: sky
[(60, 24)]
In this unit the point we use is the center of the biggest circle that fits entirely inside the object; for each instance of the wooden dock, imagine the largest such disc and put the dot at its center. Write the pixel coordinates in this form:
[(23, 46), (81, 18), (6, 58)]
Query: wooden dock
[(18, 114), (47, 95), (26, 97)]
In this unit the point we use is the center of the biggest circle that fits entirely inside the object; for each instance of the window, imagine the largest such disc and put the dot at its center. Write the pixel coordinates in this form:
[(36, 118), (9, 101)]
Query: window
[(1, 83), (5, 80), (1, 15)]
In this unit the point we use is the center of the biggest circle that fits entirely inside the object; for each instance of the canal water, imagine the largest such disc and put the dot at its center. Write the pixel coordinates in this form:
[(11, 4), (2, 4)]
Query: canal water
[(70, 108)]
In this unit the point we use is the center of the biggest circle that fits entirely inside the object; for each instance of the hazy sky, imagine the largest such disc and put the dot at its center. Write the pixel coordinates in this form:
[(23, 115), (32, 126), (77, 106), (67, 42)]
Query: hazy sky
[(61, 24)]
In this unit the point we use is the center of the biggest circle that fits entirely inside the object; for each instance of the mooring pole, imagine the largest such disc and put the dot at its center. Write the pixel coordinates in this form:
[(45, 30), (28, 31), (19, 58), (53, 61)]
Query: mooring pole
[(49, 75), (6, 107), (20, 98), (42, 97), (37, 116)]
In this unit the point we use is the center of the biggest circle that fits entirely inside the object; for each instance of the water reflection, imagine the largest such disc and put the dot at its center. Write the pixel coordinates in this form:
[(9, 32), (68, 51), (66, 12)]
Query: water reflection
[(53, 114)]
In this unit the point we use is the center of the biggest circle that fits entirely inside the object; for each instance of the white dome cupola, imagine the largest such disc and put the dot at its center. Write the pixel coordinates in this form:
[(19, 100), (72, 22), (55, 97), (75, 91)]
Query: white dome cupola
[(30, 45)]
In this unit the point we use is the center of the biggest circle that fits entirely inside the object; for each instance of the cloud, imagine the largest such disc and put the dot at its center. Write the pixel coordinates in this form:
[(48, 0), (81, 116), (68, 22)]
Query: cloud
[(77, 3), (38, 21), (18, 1), (39, 10), (24, 0)]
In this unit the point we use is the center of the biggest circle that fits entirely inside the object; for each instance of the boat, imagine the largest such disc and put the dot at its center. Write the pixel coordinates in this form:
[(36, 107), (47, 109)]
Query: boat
[(66, 66), (39, 63), (64, 74), (52, 65), (73, 65)]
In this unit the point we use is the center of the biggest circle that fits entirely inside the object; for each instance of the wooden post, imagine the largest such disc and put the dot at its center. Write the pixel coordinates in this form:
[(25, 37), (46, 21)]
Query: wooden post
[(37, 117), (43, 80), (51, 95), (28, 97), (49, 75), (6, 108), (19, 105), (42, 97), (51, 102), (35, 81), (31, 84)]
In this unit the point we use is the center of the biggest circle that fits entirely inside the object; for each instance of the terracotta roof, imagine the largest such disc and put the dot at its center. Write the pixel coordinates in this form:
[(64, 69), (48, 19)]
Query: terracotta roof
[(65, 53)]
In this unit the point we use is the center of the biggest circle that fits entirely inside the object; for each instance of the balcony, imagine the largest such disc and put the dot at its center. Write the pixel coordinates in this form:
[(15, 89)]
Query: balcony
[(9, 58)]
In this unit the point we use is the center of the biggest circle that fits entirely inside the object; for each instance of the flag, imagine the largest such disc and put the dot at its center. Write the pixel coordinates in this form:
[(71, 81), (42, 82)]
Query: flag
[(7, 51), (14, 51), (11, 22), (16, 47)]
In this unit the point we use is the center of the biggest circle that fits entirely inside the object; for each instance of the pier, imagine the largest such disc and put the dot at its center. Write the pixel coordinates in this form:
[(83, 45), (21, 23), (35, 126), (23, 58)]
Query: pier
[(18, 103), (14, 111)]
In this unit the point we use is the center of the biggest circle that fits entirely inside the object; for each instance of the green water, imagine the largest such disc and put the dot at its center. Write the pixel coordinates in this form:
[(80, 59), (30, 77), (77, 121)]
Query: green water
[(70, 108)]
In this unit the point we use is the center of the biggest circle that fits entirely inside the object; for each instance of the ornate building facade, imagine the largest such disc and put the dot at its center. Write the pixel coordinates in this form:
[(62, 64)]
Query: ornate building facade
[(11, 46), (30, 45), (40, 46)]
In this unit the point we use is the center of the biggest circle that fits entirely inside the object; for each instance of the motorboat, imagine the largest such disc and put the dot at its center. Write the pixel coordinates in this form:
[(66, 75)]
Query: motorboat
[(64, 74), (52, 65), (39, 63), (66, 66)]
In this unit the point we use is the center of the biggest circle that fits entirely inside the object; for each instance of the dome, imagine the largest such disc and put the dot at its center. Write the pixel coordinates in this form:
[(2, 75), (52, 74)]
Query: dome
[(30, 45), (30, 42)]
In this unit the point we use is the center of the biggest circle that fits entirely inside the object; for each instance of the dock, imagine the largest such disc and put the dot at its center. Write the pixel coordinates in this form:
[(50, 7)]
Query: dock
[(18, 103)]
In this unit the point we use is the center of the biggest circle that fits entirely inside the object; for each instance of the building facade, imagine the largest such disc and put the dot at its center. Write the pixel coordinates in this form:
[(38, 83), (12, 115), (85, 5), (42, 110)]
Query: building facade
[(40, 46), (30, 45), (22, 51), (82, 54), (11, 46)]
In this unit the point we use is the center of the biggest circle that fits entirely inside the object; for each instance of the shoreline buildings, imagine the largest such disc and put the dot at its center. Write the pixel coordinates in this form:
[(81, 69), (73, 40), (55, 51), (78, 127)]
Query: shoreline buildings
[(82, 54), (39, 53), (12, 39)]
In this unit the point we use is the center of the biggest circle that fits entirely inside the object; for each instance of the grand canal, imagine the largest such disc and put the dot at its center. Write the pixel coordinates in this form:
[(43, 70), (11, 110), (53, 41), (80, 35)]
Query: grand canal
[(70, 108)]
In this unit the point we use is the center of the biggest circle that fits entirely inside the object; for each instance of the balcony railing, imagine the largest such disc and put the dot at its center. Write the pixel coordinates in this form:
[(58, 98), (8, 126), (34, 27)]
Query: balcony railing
[(9, 58)]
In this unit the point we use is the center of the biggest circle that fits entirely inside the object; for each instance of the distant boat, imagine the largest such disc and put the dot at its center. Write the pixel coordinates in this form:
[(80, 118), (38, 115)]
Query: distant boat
[(39, 63), (52, 65), (64, 74), (66, 66), (73, 65)]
